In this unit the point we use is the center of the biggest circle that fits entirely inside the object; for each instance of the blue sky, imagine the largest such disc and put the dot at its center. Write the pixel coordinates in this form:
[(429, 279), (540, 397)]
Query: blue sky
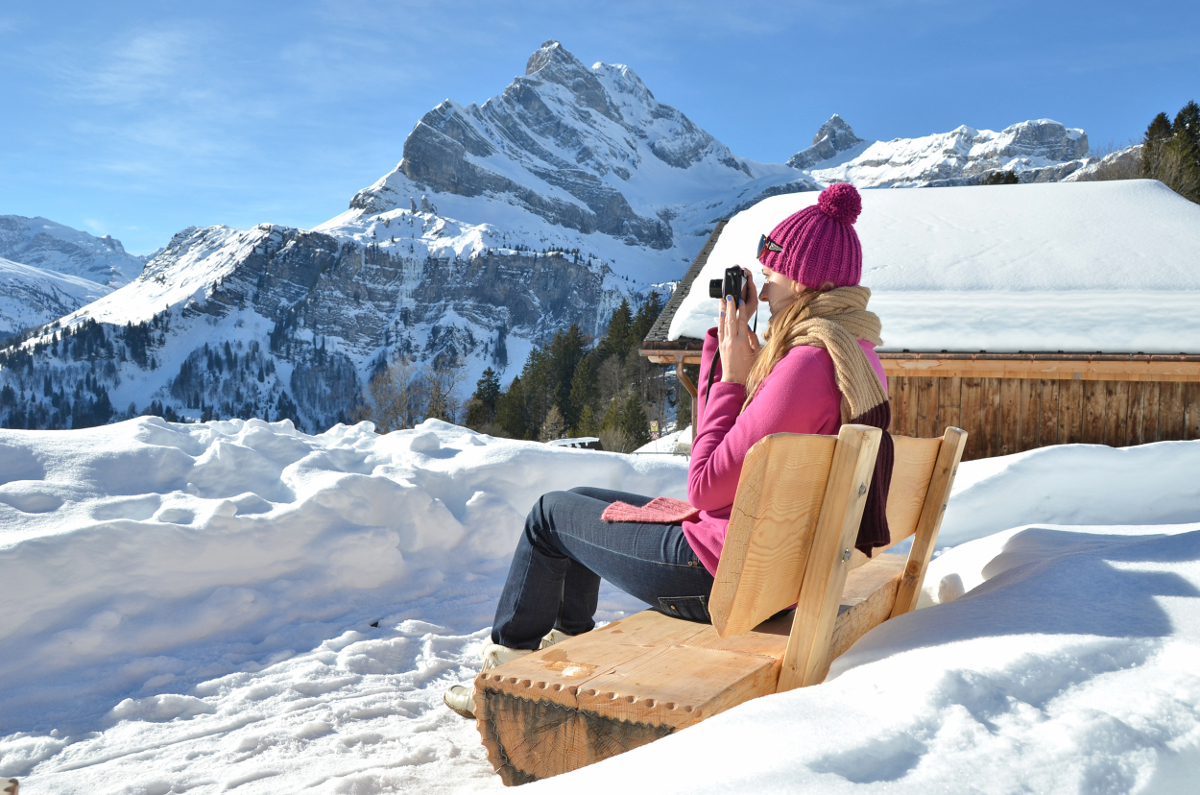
[(138, 119)]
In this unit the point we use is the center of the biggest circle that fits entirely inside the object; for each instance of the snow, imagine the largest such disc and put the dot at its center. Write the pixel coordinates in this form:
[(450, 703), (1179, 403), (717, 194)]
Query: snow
[(202, 607), (212, 255), (1082, 266), (31, 297)]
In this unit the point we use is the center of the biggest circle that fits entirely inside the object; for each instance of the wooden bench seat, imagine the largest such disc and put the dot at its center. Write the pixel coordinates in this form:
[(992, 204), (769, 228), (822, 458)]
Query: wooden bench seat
[(799, 502)]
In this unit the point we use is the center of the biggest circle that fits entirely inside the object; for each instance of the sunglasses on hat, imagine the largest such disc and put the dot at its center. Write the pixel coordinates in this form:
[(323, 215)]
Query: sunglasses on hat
[(767, 244)]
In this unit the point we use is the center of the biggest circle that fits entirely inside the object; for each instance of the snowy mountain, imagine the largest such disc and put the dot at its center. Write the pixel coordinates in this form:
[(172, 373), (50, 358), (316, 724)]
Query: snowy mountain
[(571, 157), (1038, 151), (572, 190), (48, 270), (31, 297), (503, 223), (50, 246)]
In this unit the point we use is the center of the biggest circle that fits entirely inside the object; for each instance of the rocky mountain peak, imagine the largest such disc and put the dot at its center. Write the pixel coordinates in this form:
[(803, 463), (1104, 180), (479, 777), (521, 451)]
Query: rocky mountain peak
[(553, 63), (833, 138), (582, 146), (838, 131), (551, 52)]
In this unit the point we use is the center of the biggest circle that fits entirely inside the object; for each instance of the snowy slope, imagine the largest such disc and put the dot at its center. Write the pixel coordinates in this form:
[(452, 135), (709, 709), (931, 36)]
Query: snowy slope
[(1083, 266), (32, 297), (192, 609), (51, 246), (168, 280)]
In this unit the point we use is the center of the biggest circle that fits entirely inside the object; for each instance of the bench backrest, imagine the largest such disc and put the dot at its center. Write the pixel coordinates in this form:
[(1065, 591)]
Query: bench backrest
[(781, 497), (793, 524)]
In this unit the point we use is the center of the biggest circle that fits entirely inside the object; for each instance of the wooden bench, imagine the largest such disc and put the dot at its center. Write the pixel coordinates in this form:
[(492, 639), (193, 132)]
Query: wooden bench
[(790, 542)]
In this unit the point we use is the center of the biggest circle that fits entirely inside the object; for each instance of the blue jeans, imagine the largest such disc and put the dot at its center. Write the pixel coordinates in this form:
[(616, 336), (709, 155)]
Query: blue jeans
[(567, 548)]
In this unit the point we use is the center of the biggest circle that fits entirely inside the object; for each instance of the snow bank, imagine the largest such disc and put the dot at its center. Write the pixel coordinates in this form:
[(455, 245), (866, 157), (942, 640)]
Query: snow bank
[(196, 608), (229, 575), (1086, 266), (1084, 484)]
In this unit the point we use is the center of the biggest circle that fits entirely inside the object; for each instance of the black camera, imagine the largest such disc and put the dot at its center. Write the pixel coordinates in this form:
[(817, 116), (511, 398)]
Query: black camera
[(733, 284)]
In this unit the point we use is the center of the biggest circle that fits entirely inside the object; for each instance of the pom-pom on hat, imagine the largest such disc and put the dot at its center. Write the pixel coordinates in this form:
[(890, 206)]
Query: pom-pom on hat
[(819, 242)]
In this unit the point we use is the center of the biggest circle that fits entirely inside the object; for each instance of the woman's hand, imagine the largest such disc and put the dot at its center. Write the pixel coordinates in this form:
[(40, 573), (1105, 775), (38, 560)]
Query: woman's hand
[(737, 344)]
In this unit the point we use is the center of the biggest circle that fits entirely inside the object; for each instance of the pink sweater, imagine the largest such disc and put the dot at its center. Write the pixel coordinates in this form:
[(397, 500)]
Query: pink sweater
[(799, 396)]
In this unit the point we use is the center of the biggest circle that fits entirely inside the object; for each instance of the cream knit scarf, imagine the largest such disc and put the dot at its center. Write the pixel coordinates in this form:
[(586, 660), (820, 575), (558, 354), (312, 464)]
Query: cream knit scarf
[(836, 320)]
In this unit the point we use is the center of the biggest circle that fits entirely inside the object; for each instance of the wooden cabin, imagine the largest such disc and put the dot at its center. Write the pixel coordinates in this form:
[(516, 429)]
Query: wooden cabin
[(1028, 315)]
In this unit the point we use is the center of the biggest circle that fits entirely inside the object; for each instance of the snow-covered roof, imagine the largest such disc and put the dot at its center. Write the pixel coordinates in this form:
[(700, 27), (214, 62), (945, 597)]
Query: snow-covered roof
[(1084, 266)]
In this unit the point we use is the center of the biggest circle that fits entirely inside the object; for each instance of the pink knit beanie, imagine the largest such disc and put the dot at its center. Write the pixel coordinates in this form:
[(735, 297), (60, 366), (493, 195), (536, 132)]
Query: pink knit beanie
[(819, 242)]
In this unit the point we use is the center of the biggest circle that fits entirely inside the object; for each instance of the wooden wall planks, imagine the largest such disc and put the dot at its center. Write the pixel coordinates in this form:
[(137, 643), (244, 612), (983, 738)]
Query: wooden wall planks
[(1009, 415)]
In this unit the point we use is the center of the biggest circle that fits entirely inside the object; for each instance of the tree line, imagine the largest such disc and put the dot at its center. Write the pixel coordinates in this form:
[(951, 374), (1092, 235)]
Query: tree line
[(570, 387), (1171, 151)]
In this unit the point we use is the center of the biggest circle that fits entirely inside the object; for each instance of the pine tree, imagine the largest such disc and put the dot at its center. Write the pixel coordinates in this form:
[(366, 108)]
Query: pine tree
[(510, 411), (1187, 133), (481, 408), (587, 423), (566, 352), (584, 393), (1171, 152), (1000, 178), (647, 313), (620, 331), (634, 423), (1157, 134), (612, 435)]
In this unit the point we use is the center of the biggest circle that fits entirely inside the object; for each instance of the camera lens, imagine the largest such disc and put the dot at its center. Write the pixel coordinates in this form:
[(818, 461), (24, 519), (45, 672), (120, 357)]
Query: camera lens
[(714, 288)]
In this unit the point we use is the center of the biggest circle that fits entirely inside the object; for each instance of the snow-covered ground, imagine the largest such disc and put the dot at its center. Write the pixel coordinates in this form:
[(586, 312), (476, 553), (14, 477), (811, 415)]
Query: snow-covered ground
[(235, 605), (1078, 266)]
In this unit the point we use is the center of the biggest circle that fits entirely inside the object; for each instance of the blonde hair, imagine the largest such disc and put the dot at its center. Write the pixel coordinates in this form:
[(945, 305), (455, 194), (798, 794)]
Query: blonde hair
[(779, 338)]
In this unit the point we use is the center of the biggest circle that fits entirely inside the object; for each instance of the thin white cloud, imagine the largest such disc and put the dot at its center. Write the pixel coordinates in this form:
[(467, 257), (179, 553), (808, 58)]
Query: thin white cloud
[(96, 226), (147, 66)]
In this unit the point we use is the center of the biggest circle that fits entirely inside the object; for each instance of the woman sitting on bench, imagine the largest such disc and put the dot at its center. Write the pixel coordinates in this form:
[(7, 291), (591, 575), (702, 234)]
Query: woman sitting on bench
[(816, 370)]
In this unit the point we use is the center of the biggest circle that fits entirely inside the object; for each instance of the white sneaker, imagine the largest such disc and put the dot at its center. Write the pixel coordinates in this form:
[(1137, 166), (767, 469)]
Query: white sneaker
[(461, 698), (552, 637), (494, 654)]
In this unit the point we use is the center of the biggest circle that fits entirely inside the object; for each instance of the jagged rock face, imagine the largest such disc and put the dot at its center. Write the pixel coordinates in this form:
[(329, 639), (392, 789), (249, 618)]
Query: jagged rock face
[(286, 321), (50, 246), (834, 137), (366, 297), (575, 135), (1038, 151), (1123, 164)]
